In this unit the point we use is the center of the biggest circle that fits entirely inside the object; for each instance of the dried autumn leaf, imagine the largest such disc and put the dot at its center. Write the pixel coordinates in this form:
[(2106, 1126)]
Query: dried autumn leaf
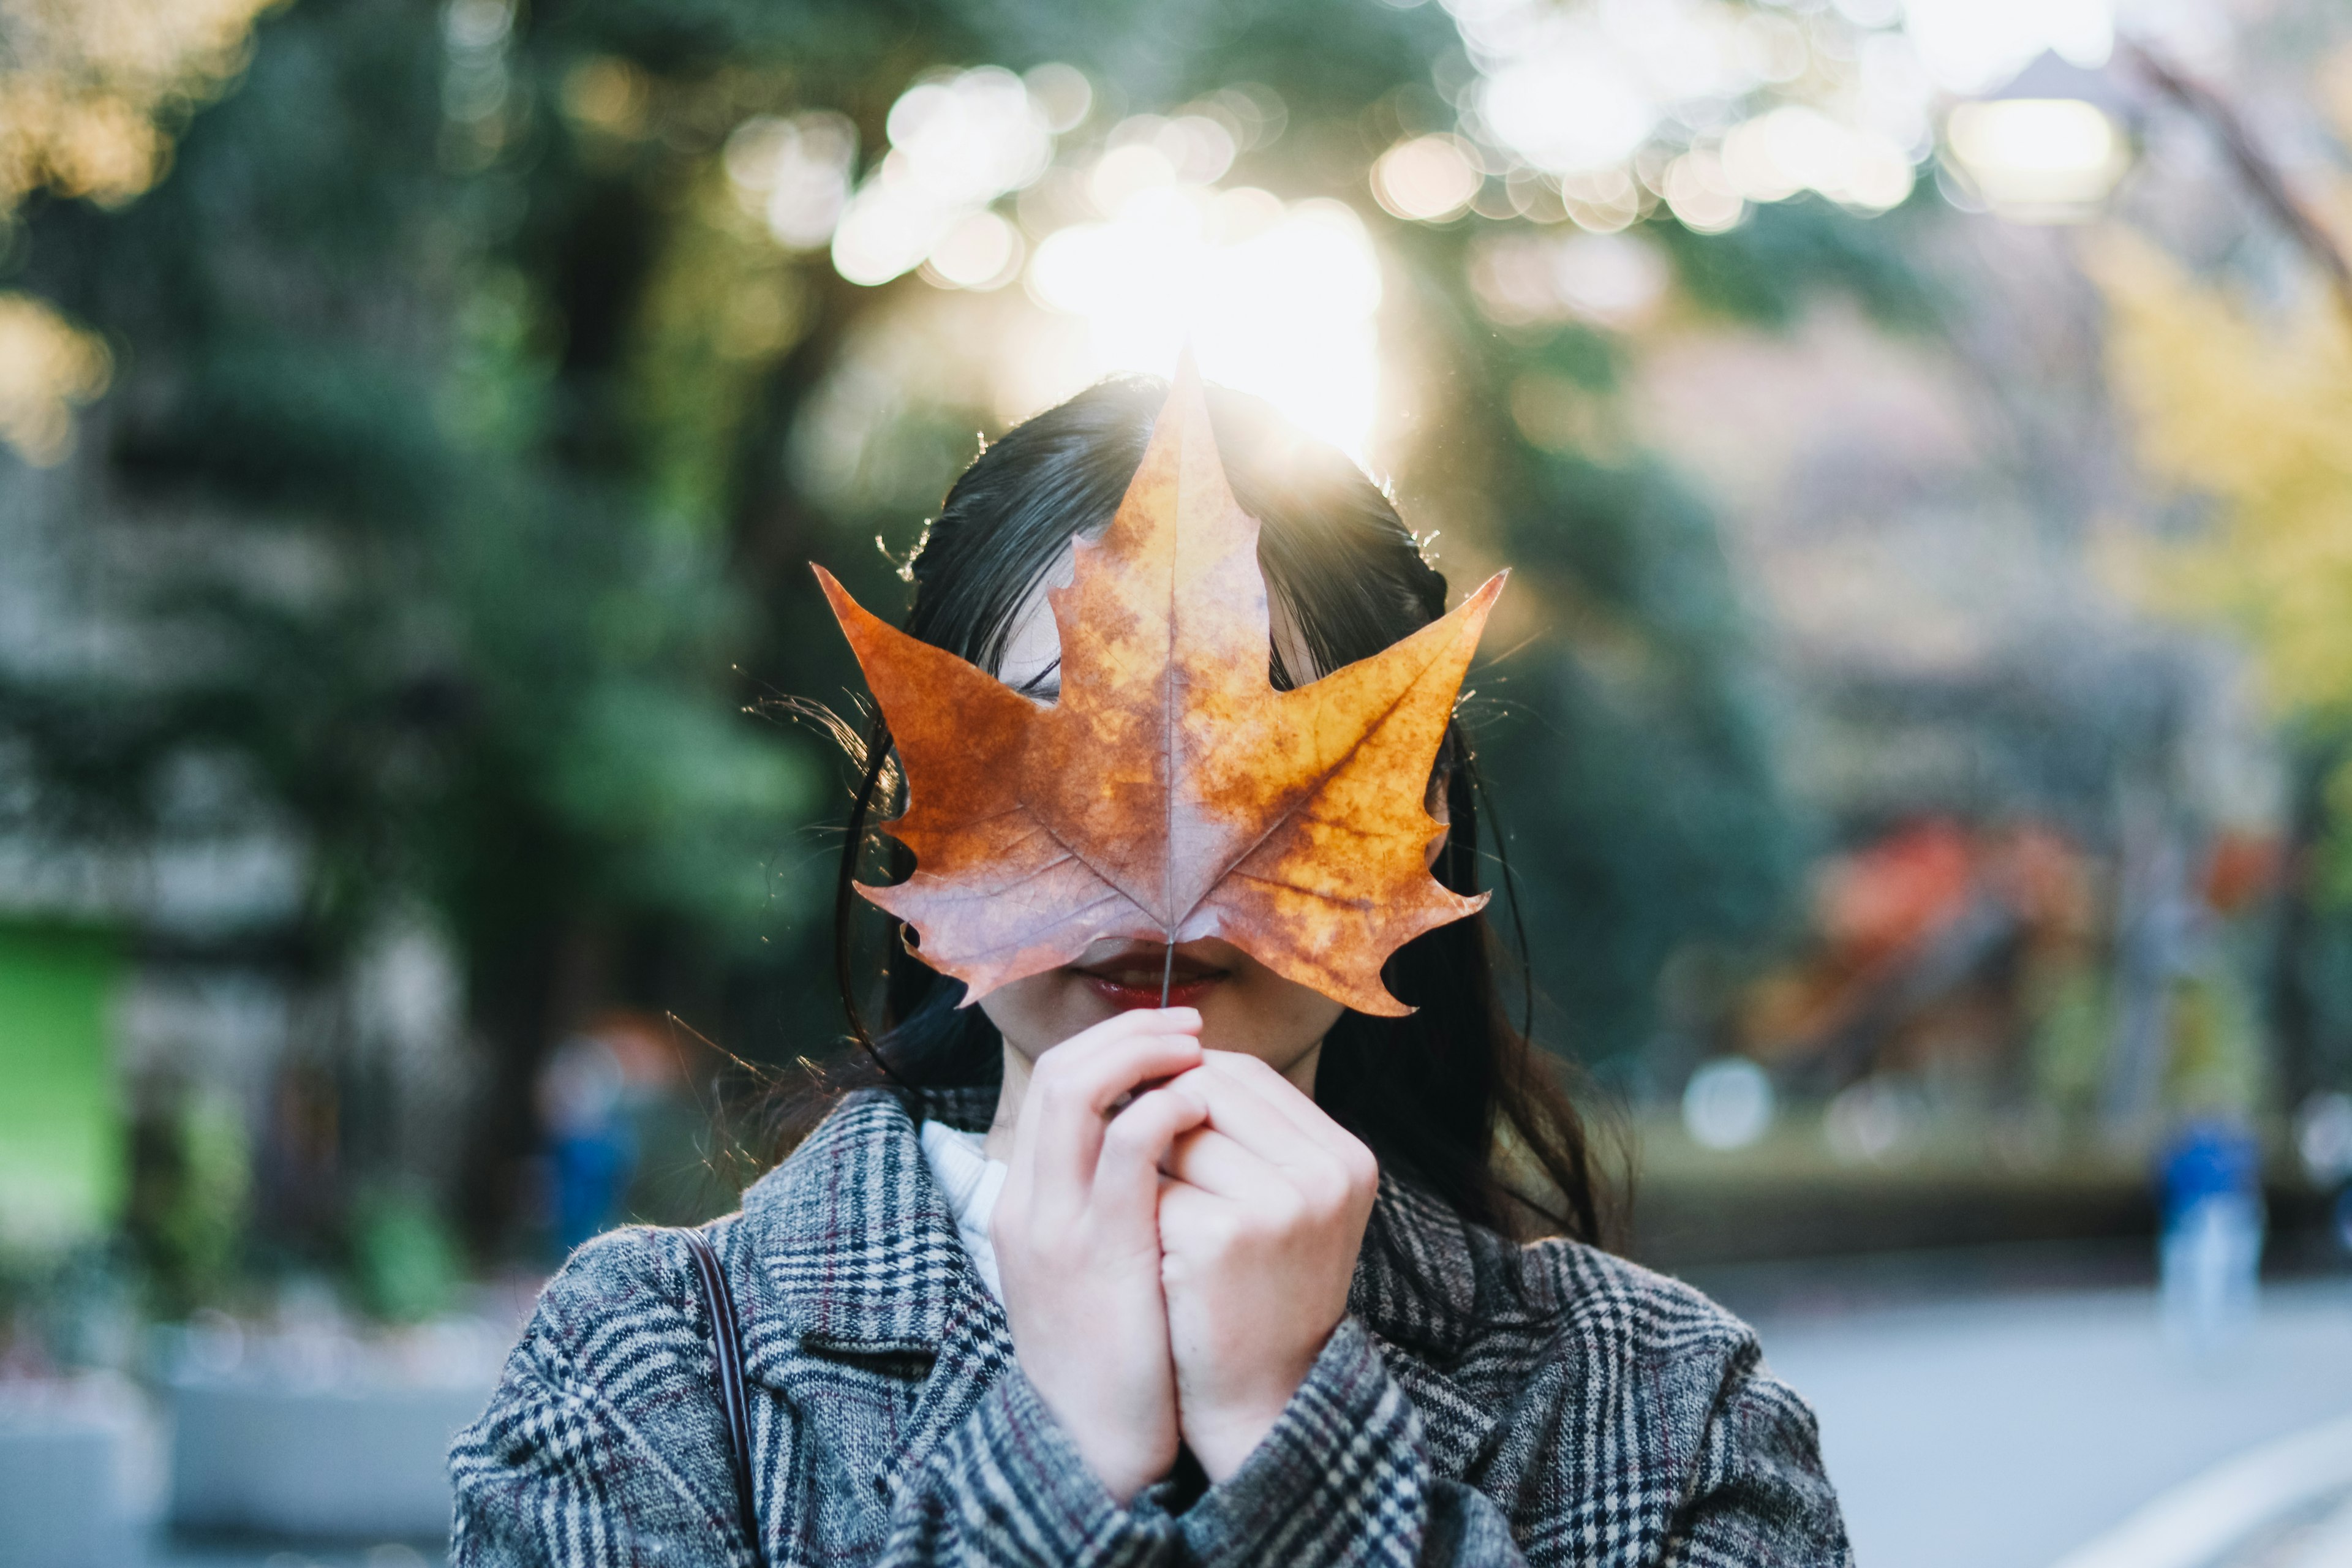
[(1170, 793)]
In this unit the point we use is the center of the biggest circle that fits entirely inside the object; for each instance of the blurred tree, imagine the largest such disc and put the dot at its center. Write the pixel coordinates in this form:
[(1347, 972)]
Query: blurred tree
[(470, 406), (405, 1266), (436, 625), (191, 1175), (91, 94), (2254, 417), (2250, 417), (89, 98)]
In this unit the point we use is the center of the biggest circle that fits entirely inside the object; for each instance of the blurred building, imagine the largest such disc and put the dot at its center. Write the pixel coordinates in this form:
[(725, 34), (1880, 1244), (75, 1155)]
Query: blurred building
[(177, 1056)]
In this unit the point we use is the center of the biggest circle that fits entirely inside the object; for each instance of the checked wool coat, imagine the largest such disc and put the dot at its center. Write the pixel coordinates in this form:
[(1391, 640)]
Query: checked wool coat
[(1539, 1404)]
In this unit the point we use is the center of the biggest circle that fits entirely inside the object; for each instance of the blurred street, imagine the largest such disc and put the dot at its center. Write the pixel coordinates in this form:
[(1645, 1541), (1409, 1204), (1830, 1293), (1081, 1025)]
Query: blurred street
[(2006, 1432), (384, 1554)]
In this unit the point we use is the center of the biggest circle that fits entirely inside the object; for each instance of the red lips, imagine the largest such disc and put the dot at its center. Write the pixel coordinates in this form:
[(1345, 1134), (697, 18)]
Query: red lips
[(1132, 978)]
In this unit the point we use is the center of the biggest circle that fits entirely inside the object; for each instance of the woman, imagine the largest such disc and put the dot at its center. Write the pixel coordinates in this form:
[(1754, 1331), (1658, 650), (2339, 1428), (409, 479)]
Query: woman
[(1158, 1258)]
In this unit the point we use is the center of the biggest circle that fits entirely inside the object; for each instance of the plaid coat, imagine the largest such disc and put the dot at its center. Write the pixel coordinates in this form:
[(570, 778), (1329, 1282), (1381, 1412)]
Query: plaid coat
[(1544, 1405)]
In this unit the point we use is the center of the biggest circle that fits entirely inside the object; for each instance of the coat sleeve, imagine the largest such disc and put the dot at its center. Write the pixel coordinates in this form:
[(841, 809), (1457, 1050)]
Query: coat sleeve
[(1760, 1496), (1008, 1489), (1346, 1477), (604, 1431)]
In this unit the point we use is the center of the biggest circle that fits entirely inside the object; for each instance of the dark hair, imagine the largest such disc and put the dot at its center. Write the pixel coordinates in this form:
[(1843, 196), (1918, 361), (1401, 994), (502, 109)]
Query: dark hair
[(1437, 1095)]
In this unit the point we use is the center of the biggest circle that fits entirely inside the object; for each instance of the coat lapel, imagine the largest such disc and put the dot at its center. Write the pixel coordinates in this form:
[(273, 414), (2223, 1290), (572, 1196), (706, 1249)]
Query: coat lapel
[(1416, 1287), (975, 1349), (854, 1240), (860, 1262)]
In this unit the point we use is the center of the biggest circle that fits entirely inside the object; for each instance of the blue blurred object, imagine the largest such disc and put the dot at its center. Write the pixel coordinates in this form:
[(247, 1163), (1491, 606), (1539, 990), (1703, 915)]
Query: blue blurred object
[(2208, 1157), (590, 1143), (2211, 1254), (591, 1172)]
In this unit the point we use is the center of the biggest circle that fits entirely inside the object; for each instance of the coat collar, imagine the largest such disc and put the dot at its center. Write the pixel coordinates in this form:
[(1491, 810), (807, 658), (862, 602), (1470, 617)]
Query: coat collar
[(859, 1253)]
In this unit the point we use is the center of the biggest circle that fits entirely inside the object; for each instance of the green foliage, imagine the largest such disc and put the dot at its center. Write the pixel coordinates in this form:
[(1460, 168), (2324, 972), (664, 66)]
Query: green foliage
[(2073, 1031), (192, 1187), (2216, 1063), (1787, 253), (477, 605), (1632, 754), (404, 1260), (60, 1117), (272, 426)]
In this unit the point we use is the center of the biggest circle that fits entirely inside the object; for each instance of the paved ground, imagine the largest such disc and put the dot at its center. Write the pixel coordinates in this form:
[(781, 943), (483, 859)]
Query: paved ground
[(2318, 1537), (280, 1554), (2003, 1433)]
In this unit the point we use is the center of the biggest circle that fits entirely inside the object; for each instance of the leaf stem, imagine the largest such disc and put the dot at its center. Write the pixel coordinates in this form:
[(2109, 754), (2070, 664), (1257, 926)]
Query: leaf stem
[(1167, 971)]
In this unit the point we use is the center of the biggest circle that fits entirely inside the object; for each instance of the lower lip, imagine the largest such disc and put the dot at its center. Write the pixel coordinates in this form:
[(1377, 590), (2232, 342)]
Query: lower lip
[(1125, 998)]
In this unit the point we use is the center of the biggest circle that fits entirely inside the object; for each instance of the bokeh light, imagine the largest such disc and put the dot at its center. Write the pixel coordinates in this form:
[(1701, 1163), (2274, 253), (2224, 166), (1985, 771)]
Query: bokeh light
[(981, 252), (1430, 178), (1277, 299), (1970, 45), (1727, 1104), (1701, 193), (47, 368), (2039, 160), (1573, 91), (1614, 280), (1602, 200), (1795, 148), (1064, 94), (1134, 251), (1709, 107), (957, 144), (1566, 110), (794, 174), (85, 90)]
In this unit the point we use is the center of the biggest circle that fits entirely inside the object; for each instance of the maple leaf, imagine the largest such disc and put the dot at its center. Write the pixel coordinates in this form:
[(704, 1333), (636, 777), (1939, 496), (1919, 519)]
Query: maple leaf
[(1170, 793)]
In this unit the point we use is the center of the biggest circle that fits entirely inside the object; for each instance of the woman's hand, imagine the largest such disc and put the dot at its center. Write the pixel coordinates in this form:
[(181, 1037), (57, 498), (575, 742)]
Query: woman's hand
[(1077, 1239), (1258, 1230)]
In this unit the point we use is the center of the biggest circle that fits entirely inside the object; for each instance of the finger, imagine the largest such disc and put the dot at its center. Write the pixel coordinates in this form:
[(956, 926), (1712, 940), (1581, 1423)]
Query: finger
[(1139, 1021), (1303, 1165), (1020, 1170), (1207, 1159), (1098, 1064), (1185, 1213), (1072, 1055), (1238, 1110), (1142, 1022), (1069, 1100), (1287, 1098), (1183, 1197), (1126, 1195)]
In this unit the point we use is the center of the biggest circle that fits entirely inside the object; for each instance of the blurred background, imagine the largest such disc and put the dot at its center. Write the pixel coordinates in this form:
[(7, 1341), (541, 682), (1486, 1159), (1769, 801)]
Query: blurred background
[(1922, 719)]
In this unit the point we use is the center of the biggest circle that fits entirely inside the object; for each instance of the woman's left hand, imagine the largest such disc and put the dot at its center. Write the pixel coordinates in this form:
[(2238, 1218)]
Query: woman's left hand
[(1260, 1221)]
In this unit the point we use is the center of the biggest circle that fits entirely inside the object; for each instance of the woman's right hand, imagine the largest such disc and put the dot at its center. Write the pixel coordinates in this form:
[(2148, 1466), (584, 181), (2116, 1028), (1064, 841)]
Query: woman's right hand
[(1076, 1232)]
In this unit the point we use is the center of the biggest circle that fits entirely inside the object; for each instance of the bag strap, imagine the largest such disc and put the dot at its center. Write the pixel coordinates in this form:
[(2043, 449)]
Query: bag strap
[(726, 1337)]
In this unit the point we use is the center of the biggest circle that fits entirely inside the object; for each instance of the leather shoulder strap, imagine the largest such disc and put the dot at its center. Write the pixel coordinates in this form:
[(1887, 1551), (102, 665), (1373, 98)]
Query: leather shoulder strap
[(727, 1340)]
